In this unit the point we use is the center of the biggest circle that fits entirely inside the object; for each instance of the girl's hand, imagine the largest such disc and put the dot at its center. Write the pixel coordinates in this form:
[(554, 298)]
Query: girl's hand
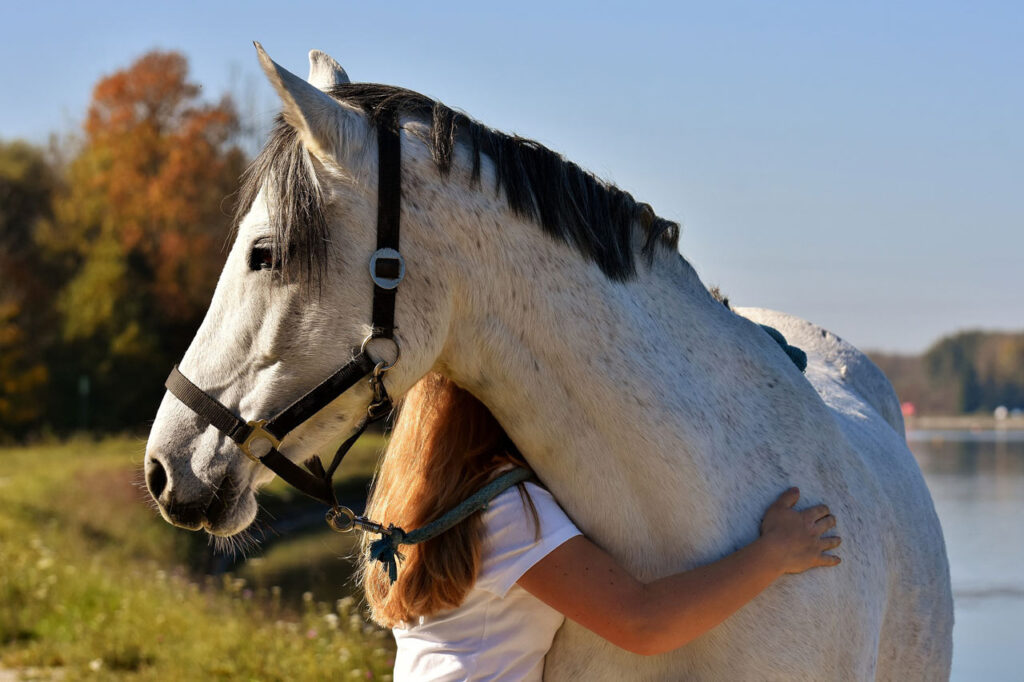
[(588, 586), (795, 537)]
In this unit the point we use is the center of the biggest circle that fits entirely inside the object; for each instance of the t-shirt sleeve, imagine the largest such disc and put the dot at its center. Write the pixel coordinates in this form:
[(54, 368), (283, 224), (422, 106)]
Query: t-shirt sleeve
[(511, 545)]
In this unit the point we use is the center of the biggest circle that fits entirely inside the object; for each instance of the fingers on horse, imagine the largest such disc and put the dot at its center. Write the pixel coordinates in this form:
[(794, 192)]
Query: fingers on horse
[(788, 498), (828, 560), (831, 542), (816, 512), (825, 523)]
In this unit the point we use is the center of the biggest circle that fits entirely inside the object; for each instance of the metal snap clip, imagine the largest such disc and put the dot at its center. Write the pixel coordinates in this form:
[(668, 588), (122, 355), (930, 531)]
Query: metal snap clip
[(341, 519)]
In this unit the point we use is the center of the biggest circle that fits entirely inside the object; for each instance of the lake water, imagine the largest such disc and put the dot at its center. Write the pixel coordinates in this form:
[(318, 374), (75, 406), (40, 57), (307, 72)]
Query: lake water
[(977, 482)]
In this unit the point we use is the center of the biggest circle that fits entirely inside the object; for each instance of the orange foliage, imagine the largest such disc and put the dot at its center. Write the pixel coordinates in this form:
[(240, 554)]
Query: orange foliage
[(21, 379), (148, 184)]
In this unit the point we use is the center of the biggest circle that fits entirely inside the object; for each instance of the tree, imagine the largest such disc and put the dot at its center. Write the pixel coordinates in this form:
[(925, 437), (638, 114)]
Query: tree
[(138, 227), (971, 371), (27, 182)]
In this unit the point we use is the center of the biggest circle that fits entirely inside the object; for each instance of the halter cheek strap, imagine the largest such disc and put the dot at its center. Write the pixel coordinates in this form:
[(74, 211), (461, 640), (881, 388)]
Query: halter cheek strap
[(387, 268)]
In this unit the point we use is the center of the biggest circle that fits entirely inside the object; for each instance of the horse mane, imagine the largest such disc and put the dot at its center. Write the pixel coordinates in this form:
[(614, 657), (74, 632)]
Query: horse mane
[(567, 202)]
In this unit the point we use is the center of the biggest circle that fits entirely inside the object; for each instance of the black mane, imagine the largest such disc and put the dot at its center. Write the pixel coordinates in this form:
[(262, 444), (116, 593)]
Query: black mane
[(568, 203)]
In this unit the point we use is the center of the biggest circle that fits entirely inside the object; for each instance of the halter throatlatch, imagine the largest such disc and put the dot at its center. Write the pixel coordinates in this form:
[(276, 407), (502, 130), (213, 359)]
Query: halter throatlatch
[(260, 439)]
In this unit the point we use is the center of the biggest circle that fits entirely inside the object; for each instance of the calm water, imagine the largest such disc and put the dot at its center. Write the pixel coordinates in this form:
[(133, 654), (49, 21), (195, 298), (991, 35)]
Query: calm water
[(977, 482)]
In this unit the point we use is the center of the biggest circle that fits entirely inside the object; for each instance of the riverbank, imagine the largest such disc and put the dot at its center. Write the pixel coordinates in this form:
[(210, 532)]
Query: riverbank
[(964, 422), (96, 586)]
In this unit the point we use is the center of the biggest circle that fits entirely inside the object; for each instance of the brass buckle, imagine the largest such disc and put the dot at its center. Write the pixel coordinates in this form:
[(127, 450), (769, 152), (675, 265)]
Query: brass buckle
[(258, 431)]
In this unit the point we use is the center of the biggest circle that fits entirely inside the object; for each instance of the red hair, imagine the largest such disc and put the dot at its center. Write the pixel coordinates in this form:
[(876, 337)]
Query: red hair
[(445, 445)]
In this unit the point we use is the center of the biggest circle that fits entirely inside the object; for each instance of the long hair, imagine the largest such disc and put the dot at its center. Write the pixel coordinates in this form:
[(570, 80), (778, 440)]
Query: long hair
[(445, 445)]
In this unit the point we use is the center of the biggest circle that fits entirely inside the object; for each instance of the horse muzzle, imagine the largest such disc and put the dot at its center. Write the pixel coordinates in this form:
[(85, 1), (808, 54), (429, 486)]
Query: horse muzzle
[(201, 506)]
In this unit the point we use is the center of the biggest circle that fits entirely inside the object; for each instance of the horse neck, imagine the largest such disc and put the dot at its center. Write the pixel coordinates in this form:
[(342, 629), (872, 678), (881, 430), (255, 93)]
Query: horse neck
[(582, 370), (615, 391)]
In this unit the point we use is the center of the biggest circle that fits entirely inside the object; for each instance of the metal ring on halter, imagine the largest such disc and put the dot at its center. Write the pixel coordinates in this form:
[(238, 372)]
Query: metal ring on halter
[(344, 520), (386, 254), (386, 367), (341, 519)]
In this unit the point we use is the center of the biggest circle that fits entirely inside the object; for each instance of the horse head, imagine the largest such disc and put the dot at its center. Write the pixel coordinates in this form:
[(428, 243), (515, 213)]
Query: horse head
[(292, 301), (294, 297)]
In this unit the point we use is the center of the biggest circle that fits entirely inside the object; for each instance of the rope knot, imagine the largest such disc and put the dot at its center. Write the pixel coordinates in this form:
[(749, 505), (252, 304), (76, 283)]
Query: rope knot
[(385, 550)]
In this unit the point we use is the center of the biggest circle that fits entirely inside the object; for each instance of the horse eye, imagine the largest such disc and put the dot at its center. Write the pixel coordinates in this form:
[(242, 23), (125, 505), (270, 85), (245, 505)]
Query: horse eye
[(262, 257)]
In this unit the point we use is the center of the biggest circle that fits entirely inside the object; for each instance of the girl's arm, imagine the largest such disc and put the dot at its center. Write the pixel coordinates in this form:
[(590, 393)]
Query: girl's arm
[(585, 583)]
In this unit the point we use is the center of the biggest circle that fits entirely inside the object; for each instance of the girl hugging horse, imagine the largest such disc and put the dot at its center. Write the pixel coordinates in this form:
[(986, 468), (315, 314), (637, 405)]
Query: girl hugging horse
[(484, 599)]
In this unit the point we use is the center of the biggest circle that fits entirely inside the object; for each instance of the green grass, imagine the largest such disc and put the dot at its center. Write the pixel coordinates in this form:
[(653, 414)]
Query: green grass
[(95, 585)]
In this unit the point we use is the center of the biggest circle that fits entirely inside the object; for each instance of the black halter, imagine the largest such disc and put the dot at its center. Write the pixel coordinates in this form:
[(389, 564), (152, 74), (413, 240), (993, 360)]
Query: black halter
[(387, 268)]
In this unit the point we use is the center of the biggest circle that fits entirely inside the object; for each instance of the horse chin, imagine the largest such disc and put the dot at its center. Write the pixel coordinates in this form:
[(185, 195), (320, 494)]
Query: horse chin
[(230, 513)]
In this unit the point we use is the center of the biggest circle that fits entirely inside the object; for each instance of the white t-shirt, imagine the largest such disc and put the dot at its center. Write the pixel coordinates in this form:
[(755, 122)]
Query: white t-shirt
[(501, 631)]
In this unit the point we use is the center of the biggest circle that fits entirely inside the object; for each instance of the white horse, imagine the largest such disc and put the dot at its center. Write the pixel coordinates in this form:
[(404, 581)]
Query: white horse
[(663, 422)]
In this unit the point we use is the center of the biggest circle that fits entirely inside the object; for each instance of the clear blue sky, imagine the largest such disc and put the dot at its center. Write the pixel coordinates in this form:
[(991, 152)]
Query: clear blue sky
[(858, 164)]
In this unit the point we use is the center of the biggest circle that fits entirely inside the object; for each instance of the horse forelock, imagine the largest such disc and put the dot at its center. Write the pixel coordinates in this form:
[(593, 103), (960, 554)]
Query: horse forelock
[(284, 172), (568, 203)]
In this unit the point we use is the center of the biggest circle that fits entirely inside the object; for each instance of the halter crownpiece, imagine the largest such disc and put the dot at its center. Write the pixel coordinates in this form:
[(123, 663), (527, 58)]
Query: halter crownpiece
[(260, 439)]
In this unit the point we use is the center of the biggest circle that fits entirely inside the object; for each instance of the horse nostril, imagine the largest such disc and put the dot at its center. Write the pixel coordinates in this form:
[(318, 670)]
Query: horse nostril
[(156, 477)]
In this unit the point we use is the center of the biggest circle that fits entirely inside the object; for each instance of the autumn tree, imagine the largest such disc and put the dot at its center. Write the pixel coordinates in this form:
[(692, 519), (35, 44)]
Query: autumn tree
[(27, 182), (139, 228)]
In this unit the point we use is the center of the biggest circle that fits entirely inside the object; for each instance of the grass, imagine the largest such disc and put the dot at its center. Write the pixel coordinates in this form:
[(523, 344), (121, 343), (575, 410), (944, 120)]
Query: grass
[(94, 585)]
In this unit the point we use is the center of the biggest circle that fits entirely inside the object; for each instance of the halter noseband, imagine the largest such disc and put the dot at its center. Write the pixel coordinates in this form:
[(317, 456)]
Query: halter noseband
[(387, 268)]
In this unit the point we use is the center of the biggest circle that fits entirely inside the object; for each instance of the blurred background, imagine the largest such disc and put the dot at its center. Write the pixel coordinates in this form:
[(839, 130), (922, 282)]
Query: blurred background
[(857, 165)]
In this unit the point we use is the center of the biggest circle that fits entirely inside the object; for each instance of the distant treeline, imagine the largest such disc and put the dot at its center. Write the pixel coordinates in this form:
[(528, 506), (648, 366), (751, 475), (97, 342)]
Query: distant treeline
[(973, 371), (110, 245)]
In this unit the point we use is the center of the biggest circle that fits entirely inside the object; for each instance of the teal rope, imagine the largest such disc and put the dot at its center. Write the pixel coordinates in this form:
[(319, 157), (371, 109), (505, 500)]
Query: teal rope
[(385, 550), (798, 357)]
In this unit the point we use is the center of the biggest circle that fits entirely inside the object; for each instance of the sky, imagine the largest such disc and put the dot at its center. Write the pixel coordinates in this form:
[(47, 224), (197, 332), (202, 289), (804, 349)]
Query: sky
[(860, 165)]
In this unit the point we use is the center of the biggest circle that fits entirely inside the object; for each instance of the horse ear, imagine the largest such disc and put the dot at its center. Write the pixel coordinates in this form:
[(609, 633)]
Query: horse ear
[(324, 71), (316, 116)]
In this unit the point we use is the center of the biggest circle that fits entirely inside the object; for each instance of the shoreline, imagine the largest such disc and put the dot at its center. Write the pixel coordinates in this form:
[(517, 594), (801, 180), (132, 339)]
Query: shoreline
[(964, 422)]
